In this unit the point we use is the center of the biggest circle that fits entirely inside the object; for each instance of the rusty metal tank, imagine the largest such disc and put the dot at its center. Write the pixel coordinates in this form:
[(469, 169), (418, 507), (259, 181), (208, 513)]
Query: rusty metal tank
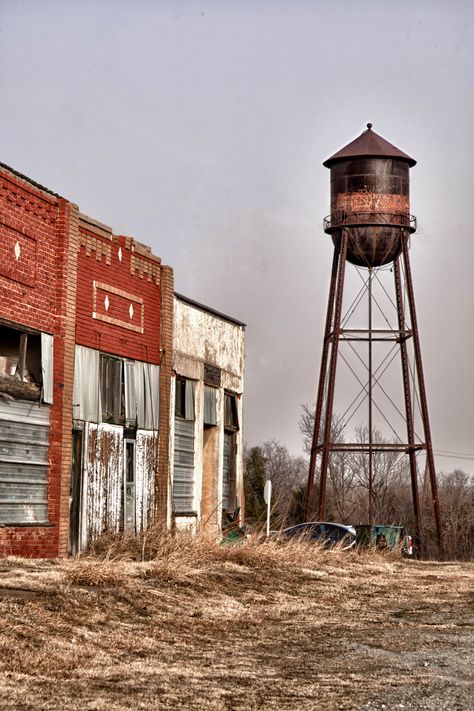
[(370, 197)]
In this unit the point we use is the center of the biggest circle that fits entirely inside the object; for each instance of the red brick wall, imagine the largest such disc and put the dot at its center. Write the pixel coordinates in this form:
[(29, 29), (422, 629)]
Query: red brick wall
[(29, 541), (118, 295), (61, 422), (38, 247), (28, 217)]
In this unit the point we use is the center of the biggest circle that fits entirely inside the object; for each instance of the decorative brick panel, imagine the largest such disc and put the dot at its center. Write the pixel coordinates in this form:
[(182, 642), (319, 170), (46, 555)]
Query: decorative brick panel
[(28, 284), (117, 307), (17, 256), (118, 311)]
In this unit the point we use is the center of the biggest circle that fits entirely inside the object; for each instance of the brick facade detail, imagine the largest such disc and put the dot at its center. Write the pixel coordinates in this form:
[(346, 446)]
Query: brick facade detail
[(64, 274), (118, 304)]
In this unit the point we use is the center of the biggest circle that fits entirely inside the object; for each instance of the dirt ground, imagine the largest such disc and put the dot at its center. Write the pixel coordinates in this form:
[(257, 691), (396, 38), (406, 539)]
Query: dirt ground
[(237, 631)]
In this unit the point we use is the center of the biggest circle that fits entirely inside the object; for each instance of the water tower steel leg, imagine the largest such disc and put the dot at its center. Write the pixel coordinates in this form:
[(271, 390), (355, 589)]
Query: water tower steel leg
[(322, 380), (371, 473), (422, 390), (408, 404), (332, 373)]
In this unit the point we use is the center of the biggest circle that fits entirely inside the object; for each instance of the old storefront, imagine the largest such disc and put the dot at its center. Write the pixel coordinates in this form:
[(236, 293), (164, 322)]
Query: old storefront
[(208, 359)]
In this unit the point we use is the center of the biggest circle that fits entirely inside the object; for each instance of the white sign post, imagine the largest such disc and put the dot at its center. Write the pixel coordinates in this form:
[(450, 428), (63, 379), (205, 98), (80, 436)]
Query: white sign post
[(267, 496)]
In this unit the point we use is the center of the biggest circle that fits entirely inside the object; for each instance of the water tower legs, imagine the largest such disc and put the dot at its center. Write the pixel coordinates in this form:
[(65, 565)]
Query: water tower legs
[(323, 440), (422, 391)]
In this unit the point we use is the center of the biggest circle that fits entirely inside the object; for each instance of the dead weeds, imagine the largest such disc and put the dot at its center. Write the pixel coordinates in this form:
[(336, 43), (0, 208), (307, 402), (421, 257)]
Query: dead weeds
[(166, 622)]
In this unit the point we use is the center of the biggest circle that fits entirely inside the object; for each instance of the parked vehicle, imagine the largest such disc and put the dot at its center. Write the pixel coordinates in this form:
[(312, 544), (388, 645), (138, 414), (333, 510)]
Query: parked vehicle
[(326, 533), (384, 536)]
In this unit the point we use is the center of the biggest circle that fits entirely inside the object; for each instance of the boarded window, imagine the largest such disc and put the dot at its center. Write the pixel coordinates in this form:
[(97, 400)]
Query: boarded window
[(228, 474), (210, 409), (183, 470), (212, 375), (24, 444)]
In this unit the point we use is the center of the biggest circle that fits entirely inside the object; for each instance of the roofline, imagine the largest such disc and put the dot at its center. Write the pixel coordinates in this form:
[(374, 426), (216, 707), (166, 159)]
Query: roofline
[(331, 161), (29, 180), (354, 150), (207, 309)]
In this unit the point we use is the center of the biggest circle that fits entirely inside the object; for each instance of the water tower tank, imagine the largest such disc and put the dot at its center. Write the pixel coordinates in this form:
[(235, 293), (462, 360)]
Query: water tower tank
[(370, 197)]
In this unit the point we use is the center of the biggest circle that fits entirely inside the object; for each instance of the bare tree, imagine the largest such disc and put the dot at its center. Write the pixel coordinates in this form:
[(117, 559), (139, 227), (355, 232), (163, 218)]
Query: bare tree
[(287, 474), (389, 473), (456, 491), (341, 502)]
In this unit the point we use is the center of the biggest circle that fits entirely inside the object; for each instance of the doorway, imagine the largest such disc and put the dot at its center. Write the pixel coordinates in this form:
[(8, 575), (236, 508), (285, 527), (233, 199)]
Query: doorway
[(75, 497)]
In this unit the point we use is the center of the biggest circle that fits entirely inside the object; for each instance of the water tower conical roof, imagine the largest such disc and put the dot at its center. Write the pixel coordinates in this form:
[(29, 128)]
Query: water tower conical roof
[(369, 144)]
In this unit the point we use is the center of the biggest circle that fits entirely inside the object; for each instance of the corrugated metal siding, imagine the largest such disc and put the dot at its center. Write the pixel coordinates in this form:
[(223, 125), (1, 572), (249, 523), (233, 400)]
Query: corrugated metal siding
[(146, 465), (183, 471), (24, 446), (104, 472)]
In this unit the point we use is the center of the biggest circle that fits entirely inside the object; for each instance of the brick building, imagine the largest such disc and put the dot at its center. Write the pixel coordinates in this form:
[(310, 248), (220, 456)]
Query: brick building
[(121, 388), (86, 322)]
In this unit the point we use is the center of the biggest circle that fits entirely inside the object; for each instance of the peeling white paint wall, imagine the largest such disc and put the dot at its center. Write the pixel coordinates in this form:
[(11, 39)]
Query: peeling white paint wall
[(203, 337), (103, 480), (146, 465)]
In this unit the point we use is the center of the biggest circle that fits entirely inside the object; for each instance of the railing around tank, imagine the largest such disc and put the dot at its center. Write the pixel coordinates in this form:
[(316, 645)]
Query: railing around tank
[(354, 219)]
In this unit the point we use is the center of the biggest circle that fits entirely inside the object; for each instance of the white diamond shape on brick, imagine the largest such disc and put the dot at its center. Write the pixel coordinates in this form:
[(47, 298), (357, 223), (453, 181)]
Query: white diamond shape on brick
[(106, 303), (130, 311), (120, 254), (17, 251)]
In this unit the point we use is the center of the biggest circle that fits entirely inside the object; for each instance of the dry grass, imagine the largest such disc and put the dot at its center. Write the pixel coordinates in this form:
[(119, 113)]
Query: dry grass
[(166, 622)]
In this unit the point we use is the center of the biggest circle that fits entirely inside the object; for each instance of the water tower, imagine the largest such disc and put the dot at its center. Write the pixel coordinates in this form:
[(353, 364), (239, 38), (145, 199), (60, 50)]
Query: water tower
[(370, 225)]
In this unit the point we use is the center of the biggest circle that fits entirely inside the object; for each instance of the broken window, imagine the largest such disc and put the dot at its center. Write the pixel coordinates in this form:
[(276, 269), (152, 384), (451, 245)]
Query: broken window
[(111, 389), (184, 400), (231, 416), (26, 365)]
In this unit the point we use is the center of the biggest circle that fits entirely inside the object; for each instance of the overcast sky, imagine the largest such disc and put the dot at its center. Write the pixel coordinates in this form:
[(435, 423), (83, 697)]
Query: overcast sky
[(199, 128)]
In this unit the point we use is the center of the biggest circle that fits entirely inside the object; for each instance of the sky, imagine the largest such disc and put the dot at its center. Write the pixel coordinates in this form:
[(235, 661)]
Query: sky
[(200, 127)]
